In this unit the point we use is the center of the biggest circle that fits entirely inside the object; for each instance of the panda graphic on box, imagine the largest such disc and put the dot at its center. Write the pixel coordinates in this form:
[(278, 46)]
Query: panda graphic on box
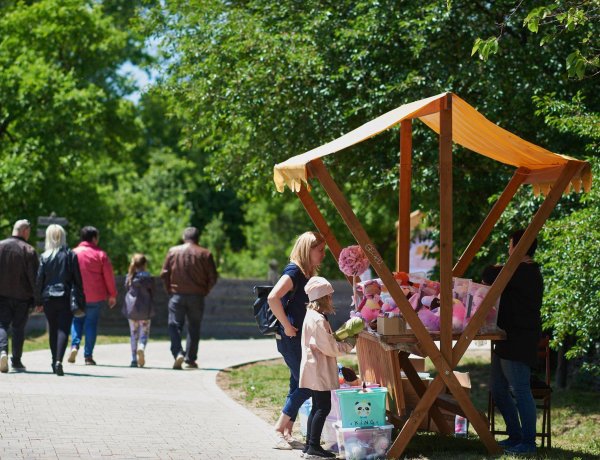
[(363, 410)]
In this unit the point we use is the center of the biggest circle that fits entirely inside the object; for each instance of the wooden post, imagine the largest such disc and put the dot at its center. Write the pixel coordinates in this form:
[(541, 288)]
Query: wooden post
[(445, 171), (404, 186), (315, 215), (490, 221), (318, 169)]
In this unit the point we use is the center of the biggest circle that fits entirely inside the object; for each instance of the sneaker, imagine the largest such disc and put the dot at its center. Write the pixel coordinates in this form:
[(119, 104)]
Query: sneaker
[(296, 445), (304, 450), (140, 357), (318, 452), (90, 361), (3, 362), (522, 449), (134, 363), (73, 354), (178, 362), (191, 365), (53, 367), (59, 369), (281, 443), (17, 365), (508, 442)]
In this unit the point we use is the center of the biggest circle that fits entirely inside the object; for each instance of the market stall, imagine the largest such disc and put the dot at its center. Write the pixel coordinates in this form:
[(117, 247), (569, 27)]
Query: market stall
[(454, 120)]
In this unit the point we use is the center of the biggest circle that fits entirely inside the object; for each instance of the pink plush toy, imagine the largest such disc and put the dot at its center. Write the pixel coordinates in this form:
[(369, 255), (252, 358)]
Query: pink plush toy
[(458, 315), (390, 308), (430, 320), (431, 287), (414, 300), (371, 303)]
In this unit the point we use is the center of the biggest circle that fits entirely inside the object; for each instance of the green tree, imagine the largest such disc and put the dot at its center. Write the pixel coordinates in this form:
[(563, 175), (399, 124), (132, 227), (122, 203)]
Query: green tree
[(255, 83), (61, 106)]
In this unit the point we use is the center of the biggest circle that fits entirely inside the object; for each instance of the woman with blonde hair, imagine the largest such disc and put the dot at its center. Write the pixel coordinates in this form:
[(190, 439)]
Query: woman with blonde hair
[(59, 292), (288, 302)]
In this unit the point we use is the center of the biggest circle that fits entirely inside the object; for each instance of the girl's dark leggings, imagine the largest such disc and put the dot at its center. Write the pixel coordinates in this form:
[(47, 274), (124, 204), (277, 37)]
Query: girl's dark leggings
[(321, 406)]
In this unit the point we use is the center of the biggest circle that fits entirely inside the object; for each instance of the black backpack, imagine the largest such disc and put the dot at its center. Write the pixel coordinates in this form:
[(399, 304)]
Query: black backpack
[(267, 323)]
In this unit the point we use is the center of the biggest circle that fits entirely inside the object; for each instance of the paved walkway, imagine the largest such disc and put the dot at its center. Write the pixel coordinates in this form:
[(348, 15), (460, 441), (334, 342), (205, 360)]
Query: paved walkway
[(117, 412)]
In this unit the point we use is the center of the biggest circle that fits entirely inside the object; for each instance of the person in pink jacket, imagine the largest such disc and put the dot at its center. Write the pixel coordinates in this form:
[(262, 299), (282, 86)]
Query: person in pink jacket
[(98, 287), (318, 368)]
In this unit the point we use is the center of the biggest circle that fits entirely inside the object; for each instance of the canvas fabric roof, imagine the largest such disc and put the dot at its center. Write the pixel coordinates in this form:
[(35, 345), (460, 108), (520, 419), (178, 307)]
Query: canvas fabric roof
[(469, 129)]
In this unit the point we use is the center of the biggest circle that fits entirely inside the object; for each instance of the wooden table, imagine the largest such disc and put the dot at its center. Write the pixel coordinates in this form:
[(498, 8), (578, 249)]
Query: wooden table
[(382, 358)]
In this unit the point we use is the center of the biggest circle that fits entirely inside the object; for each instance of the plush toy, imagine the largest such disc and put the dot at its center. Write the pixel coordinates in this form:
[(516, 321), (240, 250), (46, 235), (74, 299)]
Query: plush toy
[(430, 301), (355, 449), (458, 315), (381, 445), (390, 308), (371, 302), (478, 296), (430, 320), (350, 377), (350, 328), (431, 287), (402, 278), (415, 301)]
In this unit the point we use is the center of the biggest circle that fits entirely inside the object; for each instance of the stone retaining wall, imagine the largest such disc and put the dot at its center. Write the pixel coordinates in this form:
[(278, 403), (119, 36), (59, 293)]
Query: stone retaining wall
[(228, 310)]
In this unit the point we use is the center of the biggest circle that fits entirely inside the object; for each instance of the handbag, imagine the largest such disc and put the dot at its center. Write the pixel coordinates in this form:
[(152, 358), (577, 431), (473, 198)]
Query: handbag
[(76, 297), (267, 322)]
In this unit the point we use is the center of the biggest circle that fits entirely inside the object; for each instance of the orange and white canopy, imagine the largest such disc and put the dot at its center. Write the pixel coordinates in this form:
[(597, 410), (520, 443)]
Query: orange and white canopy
[(469, 129)]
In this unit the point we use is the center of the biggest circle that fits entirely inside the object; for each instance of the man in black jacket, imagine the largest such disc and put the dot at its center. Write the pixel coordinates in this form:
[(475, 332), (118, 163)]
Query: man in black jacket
[(18, 269)]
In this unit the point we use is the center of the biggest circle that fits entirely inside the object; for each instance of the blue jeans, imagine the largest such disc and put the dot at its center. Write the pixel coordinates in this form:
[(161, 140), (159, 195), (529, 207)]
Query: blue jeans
[(88, 325), (291, 350), (510, 379)]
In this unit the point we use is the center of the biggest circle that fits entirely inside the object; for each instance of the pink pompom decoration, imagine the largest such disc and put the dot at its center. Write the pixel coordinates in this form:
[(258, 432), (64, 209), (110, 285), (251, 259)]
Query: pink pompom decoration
[(353, 261)]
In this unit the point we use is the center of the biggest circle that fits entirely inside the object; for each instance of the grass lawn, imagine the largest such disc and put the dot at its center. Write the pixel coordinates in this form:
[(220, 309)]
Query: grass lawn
[(262, 387)]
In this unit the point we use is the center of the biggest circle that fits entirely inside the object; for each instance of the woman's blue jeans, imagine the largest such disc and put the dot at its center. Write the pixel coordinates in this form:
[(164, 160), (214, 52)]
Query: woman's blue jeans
[(511, 390), (291, 350), (87, 325)]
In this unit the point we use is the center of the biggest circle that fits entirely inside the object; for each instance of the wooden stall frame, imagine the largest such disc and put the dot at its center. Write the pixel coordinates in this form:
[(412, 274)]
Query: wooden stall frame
[(446, 358)]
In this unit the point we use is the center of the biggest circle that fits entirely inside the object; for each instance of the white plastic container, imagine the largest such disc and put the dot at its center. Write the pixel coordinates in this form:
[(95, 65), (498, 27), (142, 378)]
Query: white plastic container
[(363, 443)]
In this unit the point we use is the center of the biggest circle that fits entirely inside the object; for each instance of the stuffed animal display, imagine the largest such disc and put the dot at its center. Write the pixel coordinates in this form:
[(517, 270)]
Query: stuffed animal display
[(371, 303), (424, 297)]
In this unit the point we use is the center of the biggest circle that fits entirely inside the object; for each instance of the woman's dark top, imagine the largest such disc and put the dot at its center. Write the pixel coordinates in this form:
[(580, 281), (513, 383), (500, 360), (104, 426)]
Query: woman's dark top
[(296, 308), (519, 312), (59, 277)]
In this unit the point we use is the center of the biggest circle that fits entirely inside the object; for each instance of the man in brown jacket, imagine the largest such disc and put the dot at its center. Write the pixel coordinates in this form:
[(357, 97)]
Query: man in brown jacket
[(18, 270), (189, 274)]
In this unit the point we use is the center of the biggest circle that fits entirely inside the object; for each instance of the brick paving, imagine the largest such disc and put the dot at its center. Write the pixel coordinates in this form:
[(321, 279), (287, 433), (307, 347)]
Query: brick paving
[(112, 411)]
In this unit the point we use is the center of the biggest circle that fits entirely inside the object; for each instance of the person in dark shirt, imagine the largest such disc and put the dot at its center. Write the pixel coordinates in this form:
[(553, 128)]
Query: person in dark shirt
[(512, 359), (288, 302), (18, 269)]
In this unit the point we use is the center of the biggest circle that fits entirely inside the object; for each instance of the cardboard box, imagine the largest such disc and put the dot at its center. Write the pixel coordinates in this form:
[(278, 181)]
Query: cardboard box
[(411, 399), (391, 326)]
